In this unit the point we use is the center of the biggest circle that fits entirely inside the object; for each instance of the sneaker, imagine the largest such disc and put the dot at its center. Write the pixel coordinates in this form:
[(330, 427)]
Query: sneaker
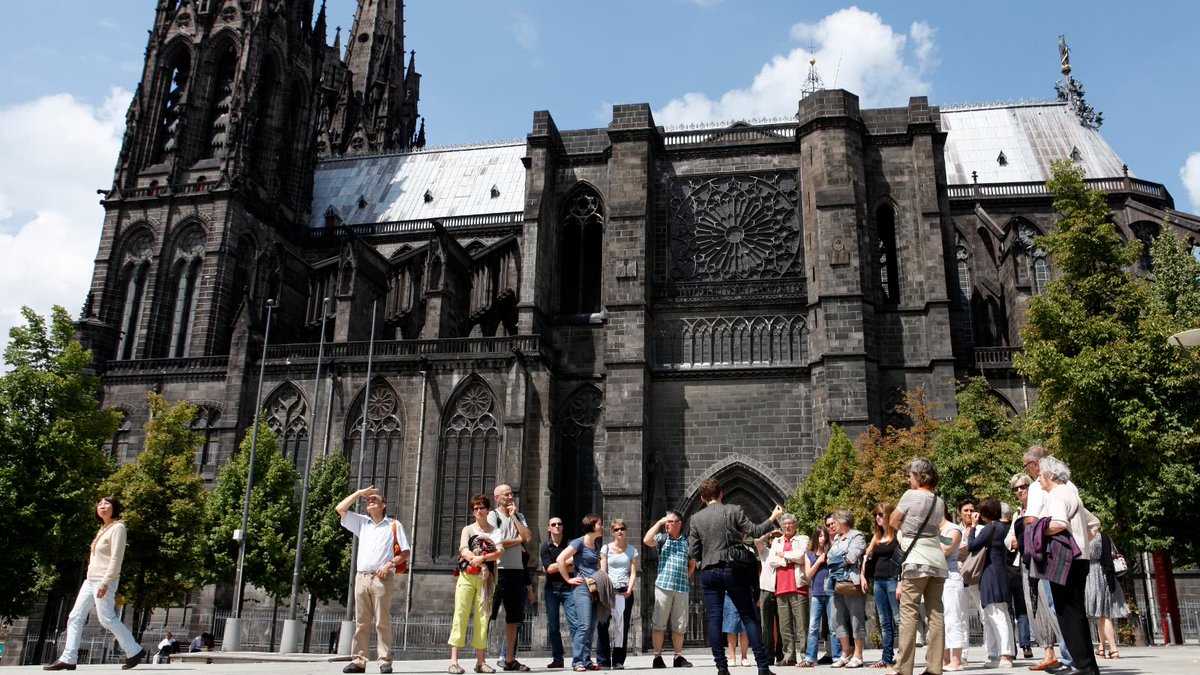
[(658, 661), (825, 660), (991, 665), (1005, 664), (619, 666), (556, 663), (1028, 653), (354, 668), (681, 662)]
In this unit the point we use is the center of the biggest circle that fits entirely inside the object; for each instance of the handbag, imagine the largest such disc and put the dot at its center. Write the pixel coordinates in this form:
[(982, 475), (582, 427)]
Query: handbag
[(396, 550), (739, 557), (973, 566), (847, 588), (1120, 565)]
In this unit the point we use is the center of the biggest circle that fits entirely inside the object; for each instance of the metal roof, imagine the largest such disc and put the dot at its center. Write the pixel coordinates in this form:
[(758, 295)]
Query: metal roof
[(434, 183), (1030, 136)]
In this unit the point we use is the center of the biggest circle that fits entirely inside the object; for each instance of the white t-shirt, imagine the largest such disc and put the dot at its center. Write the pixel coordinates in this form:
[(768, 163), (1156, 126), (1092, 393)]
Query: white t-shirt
[(374, 540), (506, 530), (1064, 506), (619, 564), (1036, 501)]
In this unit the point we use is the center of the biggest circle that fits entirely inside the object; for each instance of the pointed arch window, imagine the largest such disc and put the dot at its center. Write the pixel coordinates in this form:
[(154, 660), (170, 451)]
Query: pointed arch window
[(189, 258), (175, 76), (576, 483), (1035, 258), (962, 259), (134, 273), (885, 254), (287, 415), (1145, 232), (118, 449), (467, 462), (221, 131), (384, 438), (580, 253), (205, 423)]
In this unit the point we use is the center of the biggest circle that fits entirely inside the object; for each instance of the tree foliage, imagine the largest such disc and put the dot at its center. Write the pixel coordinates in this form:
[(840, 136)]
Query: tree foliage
[(1119, 404), (978, 451), (884, 454), (163, 498), (274, 518), (829, 486), (52, 459), (326, 565)]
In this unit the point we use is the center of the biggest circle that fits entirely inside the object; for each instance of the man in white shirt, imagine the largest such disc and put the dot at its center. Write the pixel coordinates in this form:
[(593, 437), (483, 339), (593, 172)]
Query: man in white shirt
[(382, 548)]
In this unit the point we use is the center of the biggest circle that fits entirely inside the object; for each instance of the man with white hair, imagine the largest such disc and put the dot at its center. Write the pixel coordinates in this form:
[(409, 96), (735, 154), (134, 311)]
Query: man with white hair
[(1034, 509)]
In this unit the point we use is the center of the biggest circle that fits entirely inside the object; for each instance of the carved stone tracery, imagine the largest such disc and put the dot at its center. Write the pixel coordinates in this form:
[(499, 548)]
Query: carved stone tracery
[(732, 228)]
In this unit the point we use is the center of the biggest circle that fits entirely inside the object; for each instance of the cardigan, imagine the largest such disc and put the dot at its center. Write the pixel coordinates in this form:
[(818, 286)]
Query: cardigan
[(108, 552)]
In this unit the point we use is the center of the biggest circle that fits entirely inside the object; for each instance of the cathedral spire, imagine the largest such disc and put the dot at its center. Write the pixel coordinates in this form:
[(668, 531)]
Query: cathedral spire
[(1071, 91), (382, 107)]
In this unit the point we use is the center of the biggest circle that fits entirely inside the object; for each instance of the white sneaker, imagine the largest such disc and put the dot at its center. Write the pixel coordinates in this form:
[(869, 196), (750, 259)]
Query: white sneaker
[(992, 664), (1004, 663)]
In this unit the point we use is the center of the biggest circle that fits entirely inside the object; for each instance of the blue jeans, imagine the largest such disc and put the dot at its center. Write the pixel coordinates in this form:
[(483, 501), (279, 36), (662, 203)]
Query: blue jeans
[(554, 600), (717, 583), (888, 610), (818, 611), (583, 626)]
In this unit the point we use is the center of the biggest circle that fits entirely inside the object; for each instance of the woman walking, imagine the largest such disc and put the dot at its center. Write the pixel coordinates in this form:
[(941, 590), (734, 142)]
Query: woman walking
[(1104, 598), (849, 599), (882, 568), (478, 550), (619, 561), (585, 551), (994, 595), (923, 569), (99, 590)]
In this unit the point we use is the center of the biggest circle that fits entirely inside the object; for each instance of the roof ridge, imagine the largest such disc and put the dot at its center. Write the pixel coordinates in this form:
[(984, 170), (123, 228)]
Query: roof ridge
[(992, 105), (451, 147)]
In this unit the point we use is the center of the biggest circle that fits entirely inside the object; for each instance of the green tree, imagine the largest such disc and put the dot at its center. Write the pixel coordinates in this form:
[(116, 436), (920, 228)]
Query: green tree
[(1117, 402), (325, 569), (978, 451), (163, 498), (830, 484), (52, 459), (274, 518)]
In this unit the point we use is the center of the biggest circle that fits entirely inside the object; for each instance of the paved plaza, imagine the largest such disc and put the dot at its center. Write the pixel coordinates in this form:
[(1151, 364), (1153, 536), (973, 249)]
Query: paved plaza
[(1160, 660)]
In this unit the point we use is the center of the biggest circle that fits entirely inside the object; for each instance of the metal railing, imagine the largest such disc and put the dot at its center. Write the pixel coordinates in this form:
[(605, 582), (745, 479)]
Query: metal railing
[(528, 344), (770, 133), (167, 366), (1039, 189), (995, 357)]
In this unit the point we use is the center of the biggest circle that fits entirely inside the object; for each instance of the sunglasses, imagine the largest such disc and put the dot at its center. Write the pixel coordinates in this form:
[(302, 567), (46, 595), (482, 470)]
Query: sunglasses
[(618, 529), (1020, 487), (555, 524), (481, 508)]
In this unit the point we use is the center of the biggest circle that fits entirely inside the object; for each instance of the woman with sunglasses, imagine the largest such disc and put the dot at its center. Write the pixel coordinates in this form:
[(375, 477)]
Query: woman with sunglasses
[(618, 559), (1019, 609)]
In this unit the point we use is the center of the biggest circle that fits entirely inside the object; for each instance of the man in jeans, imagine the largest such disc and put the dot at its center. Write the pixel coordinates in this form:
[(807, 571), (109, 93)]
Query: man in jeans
[(558, 591), (671, 586)]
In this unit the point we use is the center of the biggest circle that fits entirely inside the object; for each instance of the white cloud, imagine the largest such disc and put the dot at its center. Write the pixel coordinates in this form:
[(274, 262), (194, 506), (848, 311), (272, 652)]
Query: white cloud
[(855, 50), (525, 31), (58, 151), (1190, 175)]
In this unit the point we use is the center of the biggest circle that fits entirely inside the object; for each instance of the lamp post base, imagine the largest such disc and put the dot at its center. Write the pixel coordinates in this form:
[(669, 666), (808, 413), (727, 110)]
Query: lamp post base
[(346, 639), (290, 638), (232, 642)]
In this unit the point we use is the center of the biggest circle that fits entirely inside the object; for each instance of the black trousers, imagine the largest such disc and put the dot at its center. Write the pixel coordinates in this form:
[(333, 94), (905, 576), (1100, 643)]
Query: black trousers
[(1072, 617)]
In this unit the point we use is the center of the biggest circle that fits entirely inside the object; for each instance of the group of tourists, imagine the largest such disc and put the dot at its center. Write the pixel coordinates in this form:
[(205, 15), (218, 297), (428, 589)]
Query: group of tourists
[(1038, 572)]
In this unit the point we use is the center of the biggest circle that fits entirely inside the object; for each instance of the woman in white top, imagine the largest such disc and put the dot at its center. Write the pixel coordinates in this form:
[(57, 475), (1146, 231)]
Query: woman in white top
[(954, 596), (99, 589), (619, 561)]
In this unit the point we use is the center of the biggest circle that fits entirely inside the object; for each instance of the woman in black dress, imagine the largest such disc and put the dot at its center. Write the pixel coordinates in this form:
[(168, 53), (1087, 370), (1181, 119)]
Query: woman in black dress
[(993, 585)]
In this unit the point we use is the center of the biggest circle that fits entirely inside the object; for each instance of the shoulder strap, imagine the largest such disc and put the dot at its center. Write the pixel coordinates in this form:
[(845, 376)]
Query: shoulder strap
[(924, 521)]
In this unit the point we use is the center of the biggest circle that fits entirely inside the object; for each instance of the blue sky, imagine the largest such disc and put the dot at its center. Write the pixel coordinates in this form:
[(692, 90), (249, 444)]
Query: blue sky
[(67, 69)]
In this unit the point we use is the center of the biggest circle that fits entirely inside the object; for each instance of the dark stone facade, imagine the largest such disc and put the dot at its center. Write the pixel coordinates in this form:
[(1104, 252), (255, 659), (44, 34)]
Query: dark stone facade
[(666, 306)]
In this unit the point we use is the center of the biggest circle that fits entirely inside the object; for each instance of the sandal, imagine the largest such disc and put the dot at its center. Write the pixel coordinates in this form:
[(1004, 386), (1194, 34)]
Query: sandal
[(484, 668), (455, 669), (880, 664), (1113, 654), (580, 669)]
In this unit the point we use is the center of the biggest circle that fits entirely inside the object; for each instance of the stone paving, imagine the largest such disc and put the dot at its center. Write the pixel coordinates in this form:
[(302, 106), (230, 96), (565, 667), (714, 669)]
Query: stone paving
[(1183, 660)]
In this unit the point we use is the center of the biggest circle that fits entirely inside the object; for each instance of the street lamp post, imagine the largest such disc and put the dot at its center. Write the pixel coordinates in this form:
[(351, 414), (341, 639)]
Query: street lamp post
[(233, 625), (291, 626)]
